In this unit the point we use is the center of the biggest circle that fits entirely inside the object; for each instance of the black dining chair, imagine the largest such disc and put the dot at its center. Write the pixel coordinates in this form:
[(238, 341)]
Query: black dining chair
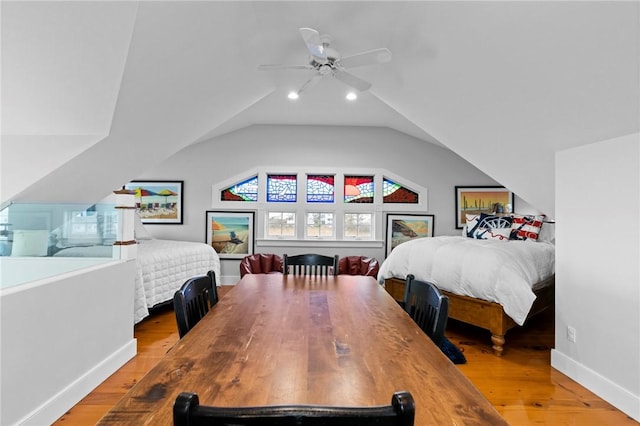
[(187, 411), (311, 264), (193, 300), (427, 306)]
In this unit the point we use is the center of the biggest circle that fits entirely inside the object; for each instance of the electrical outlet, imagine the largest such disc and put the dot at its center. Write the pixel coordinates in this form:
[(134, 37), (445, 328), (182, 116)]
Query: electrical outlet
[(571, 334)]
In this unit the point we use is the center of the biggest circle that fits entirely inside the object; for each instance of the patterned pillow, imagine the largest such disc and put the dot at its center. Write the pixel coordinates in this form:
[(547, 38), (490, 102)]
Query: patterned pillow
[(526, 227), (488, 227)]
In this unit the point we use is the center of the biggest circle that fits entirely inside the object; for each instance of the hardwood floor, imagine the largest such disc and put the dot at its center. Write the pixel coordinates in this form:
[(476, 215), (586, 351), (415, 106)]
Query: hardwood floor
[(521, 384)]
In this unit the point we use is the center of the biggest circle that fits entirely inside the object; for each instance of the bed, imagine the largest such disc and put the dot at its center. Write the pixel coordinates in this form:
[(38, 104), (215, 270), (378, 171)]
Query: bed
[(162, 266), (494, 282)]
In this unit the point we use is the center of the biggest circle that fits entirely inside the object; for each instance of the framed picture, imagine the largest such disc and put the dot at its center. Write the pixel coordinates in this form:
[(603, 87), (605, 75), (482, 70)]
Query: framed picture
[(158, 201), (405, 227), (481, 199), (231, 234)]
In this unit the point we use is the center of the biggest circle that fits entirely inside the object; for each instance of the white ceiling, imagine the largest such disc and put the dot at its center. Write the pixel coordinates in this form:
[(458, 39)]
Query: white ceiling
[(503, 84)]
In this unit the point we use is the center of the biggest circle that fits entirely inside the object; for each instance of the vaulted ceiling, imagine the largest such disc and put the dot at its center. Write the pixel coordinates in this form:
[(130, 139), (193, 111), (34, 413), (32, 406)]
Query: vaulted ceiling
[(90, 87)]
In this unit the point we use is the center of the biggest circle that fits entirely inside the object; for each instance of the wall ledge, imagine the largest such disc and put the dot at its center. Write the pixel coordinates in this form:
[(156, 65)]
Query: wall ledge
[(320, 243)]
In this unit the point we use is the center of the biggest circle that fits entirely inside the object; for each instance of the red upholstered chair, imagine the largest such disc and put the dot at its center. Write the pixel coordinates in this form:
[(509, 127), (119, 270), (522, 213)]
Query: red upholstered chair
[(358, 265), (260, 263)]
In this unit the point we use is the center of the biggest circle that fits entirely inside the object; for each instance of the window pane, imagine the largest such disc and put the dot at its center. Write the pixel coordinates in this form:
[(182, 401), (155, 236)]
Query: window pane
[(393, 192), (320, 225), (246, 190), (358, 189), (282, 224), (282, 188), (320, 189), (358, 225)]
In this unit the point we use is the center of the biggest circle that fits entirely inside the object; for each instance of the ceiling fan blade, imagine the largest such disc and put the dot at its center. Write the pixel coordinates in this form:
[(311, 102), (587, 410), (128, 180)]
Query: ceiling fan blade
[(269, 67), (352, 80), (310, 83), (312, 39), (377, 56)]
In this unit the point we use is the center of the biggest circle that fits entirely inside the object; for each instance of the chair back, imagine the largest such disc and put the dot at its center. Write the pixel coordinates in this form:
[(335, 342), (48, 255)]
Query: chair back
[(311, 264), (427, 306), (260, 263), (193, 300), (358, 265), (188, 411)]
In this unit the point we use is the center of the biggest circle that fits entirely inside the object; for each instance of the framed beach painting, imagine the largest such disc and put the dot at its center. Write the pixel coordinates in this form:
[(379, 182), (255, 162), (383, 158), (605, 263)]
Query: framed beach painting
[(405, 227), (231, 234), (481, 199), (158, 201)]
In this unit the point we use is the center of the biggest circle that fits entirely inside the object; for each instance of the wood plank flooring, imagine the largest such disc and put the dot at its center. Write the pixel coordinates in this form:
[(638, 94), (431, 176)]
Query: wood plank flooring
[(521, 385)]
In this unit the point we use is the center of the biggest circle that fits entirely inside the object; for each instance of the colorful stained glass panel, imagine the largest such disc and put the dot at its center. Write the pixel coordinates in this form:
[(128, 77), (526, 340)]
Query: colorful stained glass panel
[(393, 192), (320, 189), (247, 190), (358, 189), (282, 188)]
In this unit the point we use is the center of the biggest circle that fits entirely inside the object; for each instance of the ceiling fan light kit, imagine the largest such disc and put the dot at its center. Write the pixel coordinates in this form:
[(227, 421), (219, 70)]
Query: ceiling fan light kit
[(325, 60)]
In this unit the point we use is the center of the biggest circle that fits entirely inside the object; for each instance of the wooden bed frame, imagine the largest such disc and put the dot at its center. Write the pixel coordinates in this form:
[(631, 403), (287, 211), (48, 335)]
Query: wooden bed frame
[(487, 315)]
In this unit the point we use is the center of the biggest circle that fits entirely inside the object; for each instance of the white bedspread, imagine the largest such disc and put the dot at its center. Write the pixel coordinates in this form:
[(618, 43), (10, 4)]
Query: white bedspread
[(162, 266), (497, 271)]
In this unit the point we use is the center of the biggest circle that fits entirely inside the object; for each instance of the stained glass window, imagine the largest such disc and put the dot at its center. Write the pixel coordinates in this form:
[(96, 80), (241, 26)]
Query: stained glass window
[(247, 190), (320, 225), (281, 188), (282, 224), (393, 192), (320, 188), (358, 189), (358, 225)]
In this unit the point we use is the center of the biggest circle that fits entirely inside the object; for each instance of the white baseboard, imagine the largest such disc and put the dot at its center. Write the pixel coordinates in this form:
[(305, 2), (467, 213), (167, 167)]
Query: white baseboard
[(60, 403), (611, 392)]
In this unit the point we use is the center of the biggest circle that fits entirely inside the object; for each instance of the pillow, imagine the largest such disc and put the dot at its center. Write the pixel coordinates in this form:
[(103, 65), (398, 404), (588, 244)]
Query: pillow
[(547, 233), (30, 242), (526, 227), (499, 234), (86, 235), (139, 231), (488, 227), (471, 224)]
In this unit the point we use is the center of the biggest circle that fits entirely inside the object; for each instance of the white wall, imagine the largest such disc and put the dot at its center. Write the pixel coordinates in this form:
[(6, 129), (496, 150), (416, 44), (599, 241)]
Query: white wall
[(61, 337), (597, 269), (204, 164)]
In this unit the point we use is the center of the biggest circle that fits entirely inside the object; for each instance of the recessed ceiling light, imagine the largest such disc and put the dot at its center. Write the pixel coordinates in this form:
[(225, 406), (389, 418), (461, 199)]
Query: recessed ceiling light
[(293, 95), (351, 96)]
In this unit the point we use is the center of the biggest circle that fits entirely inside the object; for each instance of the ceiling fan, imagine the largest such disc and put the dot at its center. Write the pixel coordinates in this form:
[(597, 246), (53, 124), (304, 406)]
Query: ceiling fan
[(325, 60)]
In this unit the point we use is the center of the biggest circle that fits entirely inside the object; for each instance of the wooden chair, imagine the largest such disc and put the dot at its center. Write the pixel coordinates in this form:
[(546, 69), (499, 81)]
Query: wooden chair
[(260, 263), (193, 300), (358, 265), (187, 411), (427, 306), (311, 264)]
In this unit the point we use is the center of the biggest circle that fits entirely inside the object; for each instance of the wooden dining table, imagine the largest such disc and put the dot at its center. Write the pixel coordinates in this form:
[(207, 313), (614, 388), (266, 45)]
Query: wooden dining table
[(281, 339)]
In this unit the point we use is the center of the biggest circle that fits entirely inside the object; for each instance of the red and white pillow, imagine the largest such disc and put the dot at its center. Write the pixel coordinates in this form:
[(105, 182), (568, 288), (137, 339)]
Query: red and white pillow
[(526, 227)]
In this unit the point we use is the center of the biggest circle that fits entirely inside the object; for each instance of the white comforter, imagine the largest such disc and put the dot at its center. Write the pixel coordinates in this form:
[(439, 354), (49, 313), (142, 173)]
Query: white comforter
[(497, 271), (162, 266)]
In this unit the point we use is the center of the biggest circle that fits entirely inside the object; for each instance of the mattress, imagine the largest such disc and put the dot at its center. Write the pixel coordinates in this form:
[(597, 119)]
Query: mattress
[(162, 266), (505, 272)]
